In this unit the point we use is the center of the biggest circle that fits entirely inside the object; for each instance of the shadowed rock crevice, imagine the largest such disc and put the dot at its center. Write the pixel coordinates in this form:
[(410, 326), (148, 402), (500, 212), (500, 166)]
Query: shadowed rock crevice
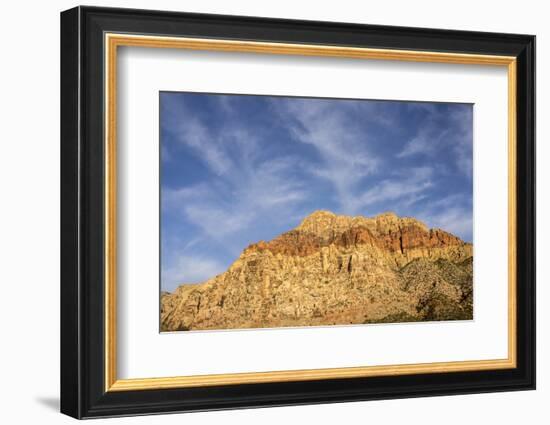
[(334, 269)]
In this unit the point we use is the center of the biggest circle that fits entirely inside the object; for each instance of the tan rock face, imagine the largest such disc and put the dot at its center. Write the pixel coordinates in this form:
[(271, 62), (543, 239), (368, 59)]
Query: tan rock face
[(330, 270)]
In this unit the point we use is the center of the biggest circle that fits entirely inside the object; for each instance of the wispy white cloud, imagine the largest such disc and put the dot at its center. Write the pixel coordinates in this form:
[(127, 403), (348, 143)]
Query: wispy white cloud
[(403, 189), (342, 145), (452, 213), (190, 269), (188, 130), (245, 187), (456, 220), (424, 143), (254, 191), (439, 130)]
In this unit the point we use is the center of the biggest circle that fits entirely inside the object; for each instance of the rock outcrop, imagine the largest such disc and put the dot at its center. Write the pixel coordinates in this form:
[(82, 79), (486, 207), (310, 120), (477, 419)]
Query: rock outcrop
[(333, 270)]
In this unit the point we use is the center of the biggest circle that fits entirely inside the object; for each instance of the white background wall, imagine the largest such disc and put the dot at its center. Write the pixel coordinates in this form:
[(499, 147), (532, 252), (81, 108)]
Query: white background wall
[(29, 212)]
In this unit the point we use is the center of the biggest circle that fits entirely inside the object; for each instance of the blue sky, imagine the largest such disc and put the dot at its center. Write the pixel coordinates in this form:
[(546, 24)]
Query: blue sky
[(238, 169)]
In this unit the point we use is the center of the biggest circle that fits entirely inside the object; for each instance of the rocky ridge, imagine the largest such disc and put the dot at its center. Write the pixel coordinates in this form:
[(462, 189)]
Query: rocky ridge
[(333, 269)]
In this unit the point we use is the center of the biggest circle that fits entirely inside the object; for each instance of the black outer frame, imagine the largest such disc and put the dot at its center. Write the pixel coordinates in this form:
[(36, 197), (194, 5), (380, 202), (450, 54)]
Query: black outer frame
[(82, 219)]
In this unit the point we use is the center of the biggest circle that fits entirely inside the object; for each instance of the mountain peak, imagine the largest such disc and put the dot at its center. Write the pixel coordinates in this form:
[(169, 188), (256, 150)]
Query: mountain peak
[(326, 223), (333, 269), (317, 219), (388, 214), (319, 214)]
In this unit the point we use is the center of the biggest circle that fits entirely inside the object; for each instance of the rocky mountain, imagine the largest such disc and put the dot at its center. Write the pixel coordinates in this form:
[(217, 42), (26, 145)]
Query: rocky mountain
[(333, 269)]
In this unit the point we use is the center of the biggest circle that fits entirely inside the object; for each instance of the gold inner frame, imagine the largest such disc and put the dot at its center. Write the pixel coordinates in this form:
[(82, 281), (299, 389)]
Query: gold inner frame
[(113, 41)]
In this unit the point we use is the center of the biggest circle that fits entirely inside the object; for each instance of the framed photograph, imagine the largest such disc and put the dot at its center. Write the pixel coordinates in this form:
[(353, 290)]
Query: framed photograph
[(261, 212)]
